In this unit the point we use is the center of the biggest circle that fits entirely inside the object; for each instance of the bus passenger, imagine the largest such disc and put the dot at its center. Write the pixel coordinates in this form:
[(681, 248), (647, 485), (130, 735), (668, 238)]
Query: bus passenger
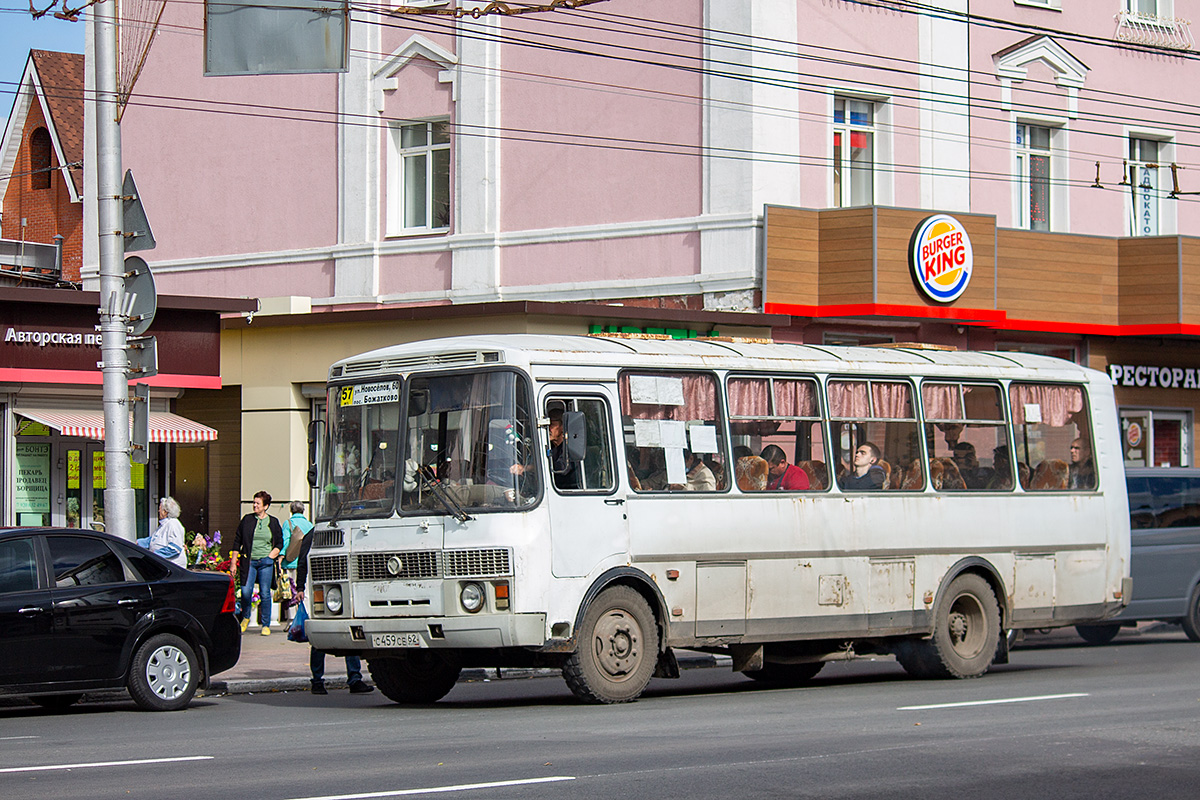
[(973, 475), (780, 474), (867, 475), (699, 477), (1082, 470)]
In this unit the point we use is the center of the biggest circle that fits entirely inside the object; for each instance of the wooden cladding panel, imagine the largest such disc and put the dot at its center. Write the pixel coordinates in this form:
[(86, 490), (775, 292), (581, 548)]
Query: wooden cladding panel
[(792, 256), (1189, 259), (847, 256), (1149, 280), (1055, 276)]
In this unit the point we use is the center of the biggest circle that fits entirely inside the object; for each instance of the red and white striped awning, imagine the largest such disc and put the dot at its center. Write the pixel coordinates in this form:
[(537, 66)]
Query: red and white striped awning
[(164, 427)]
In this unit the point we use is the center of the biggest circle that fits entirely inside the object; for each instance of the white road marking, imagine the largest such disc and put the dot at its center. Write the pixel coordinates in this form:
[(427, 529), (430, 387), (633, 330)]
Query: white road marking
[(131, 763), (993, 702), (10, 738), (462, 787)]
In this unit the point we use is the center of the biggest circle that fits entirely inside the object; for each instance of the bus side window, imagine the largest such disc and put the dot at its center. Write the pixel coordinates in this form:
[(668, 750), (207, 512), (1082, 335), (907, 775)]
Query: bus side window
[(964, 431), (1053, 437), (772, 418), (673, 432), (882, 414), (595, 472)]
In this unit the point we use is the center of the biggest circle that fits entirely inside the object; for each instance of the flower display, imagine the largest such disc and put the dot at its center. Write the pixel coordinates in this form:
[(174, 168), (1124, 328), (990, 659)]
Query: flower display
[(204, 553)]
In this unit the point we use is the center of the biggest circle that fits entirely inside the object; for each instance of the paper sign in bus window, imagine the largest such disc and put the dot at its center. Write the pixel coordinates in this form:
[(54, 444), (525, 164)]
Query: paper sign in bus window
[(1033, 412), (674, 434), (704, 438), (646, 433), (676, 469), (656, 390)]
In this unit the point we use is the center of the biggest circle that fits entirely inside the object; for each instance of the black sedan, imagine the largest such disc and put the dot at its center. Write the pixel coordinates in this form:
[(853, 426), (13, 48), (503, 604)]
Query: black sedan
[(81, 611)]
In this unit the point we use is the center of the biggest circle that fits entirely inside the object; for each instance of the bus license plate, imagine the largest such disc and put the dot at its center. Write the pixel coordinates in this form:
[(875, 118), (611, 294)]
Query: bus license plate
[(396, 640)]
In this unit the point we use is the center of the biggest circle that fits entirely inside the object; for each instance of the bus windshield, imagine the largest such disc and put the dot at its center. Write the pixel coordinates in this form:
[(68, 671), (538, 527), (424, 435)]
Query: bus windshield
[(470, 443), (358, 473)]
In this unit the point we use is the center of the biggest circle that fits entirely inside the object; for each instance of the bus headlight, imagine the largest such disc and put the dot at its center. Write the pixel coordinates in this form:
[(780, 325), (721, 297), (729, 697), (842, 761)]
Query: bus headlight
[(333, 599), (472, 597)]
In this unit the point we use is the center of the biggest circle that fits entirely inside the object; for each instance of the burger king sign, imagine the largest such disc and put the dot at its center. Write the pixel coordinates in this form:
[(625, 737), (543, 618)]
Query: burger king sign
[(941, 258)]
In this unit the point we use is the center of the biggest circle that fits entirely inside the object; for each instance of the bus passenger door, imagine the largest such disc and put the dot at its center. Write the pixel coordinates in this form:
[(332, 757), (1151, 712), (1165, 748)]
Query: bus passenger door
[(586, 501)]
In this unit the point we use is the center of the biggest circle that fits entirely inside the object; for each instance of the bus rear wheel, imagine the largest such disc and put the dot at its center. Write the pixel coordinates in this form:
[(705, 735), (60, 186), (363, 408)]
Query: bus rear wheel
[(966, 633), (616, 648), (786, 674), (1191, 621), (415, 676)]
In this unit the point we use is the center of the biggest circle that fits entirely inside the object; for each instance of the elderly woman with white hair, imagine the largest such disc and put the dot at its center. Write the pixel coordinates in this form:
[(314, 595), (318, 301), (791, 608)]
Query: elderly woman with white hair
[(168, 539)]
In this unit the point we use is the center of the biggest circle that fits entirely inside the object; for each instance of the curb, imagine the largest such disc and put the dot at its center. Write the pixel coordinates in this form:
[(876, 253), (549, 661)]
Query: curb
[(219, 687)]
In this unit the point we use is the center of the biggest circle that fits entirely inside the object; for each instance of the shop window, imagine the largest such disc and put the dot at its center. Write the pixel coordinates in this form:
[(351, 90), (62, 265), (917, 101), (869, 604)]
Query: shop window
[(964, 432), (1156, 438), (672, 428), (773, 417), (1053, 437), (419, 177), (876, 416), (41, 154)]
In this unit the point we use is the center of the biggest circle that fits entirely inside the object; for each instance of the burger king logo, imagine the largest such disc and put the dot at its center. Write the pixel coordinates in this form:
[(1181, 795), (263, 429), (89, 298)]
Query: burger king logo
[(941, 258)]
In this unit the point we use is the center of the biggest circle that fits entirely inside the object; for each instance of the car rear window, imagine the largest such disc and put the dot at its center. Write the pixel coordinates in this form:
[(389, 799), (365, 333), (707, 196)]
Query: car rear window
[(1167, 501), (147, 566), (82, 561)]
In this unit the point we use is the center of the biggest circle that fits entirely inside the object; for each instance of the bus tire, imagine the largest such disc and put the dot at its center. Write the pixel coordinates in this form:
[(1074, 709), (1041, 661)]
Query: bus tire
[(1191, 620), (966, 633), (786, 674), (415, 676), (1098, 634), (616, 648)]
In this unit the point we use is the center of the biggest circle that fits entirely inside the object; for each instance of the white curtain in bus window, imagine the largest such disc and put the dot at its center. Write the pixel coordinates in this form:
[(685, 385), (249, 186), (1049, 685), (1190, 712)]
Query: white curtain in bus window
[(1053, 437), (672, 432), (880, 413), (773, 417), (964, 430)]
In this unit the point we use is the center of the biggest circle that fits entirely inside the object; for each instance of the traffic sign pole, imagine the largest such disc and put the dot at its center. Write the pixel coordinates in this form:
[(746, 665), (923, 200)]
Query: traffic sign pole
[(118, 493)]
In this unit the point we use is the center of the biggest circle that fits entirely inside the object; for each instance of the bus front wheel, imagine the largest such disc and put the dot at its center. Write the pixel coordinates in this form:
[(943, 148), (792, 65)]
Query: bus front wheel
[(616, 648), (1191, 622), (415, 676), (966, 634)]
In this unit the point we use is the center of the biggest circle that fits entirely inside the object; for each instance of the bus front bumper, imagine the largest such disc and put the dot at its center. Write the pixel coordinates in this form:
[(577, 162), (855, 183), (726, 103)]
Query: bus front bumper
[(477, 632)]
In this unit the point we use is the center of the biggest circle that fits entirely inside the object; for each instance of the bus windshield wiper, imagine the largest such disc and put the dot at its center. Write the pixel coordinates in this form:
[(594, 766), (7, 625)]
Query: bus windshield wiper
[(437, 488)]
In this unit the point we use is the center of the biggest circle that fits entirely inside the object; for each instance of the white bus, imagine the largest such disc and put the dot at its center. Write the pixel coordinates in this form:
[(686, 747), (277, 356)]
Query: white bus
[(927, 502)]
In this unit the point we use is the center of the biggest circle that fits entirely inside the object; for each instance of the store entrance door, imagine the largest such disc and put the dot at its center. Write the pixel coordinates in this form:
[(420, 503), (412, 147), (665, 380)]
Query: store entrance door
[(94, 480), (191, 486), (1155, 438)]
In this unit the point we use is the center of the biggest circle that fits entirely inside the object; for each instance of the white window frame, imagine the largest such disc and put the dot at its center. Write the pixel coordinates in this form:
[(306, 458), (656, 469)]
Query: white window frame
[(1163, 9), (397, 199), (1053, 5), (1160, 177), (881, 184), (1058, 200)]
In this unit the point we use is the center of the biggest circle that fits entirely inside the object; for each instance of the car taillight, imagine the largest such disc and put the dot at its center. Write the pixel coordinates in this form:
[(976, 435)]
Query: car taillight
[(230, 599)]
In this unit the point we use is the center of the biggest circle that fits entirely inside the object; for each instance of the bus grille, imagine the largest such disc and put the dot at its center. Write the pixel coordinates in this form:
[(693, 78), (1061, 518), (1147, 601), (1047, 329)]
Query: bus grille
[(333, 538), (476, 563), (328, 568), (415, 565)]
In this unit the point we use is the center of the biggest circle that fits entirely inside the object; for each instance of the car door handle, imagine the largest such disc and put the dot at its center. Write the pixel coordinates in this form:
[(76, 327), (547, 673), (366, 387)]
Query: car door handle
[(31, 610), (615, 501), (129, 601)]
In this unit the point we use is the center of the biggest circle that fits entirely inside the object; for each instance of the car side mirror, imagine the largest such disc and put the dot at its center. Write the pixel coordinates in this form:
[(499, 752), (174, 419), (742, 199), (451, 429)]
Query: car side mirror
[(575, 430)]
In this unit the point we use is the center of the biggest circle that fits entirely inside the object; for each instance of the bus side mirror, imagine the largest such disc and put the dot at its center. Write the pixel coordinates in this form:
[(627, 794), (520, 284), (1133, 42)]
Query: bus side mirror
[(314, 433), (575, 429)]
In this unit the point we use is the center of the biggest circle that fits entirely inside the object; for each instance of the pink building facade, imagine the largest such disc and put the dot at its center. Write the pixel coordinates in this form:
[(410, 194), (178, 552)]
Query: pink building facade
[(624, 156)]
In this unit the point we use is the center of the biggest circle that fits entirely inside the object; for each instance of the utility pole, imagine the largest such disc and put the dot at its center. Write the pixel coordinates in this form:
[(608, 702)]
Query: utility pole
[(118, 493)]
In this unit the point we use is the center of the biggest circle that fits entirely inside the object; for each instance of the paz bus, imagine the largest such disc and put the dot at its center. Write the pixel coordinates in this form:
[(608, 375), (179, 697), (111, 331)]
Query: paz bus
[(593, 503)]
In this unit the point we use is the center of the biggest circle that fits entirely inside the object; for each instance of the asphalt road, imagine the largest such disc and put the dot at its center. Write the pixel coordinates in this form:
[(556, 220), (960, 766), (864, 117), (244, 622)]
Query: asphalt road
[(1062, 721)]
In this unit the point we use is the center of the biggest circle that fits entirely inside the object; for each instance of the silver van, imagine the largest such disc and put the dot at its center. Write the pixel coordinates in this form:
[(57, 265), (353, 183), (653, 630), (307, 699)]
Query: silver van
[(1164, 517)]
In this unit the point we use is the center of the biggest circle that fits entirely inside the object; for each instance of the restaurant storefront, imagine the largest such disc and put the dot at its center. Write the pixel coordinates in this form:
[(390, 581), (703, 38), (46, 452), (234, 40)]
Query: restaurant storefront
[(51, 417), (1128, 306)]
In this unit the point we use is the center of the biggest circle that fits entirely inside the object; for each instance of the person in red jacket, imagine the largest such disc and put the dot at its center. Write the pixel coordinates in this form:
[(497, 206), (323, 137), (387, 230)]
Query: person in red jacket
[(781, 474)]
